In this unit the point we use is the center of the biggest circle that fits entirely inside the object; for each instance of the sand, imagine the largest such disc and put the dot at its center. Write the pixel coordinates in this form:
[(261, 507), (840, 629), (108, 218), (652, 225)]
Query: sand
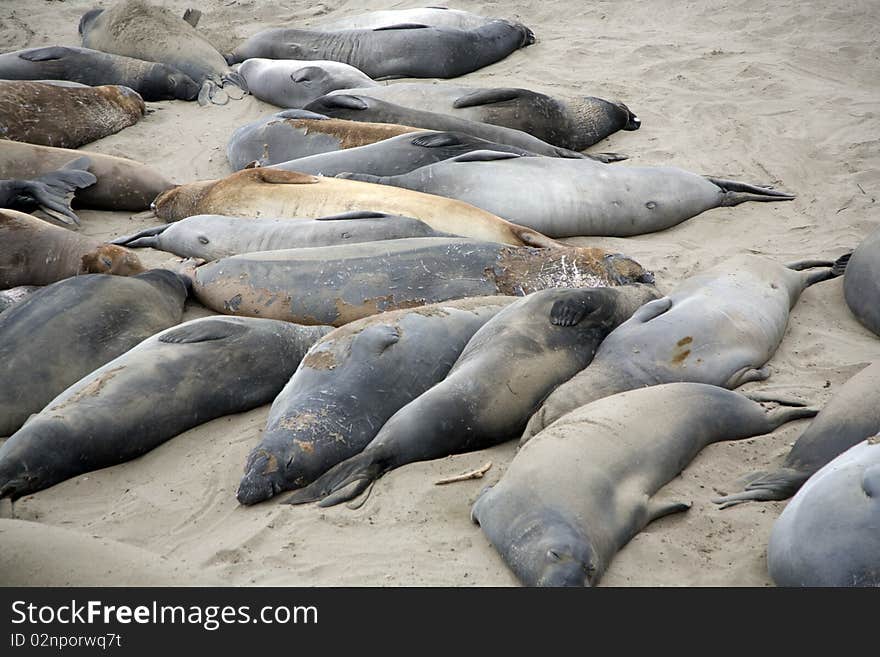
[(784, 96)]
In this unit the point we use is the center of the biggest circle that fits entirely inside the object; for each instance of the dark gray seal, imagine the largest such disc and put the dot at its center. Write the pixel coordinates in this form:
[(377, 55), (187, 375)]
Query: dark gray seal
[(169, 383), (213, 236), (852, 415), (719, 327), (576, 123), (827, 535), (350, 383), (66, 330), (433, 16), (397, 51), (861, 284), (153, 81), (584, 487), (503, 373)]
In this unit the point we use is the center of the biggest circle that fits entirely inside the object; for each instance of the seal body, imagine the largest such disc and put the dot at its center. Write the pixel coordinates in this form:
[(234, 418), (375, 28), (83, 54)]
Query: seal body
[(397, 51), (12, 296), (339, 284), (583, 197), (33, 252), (212, 236), (168, 383), (719, 327), (506, 369), (294, 134), (67, 117), (366, 108), (583, 488), (296, 83), (433, 16), (153, 81), (122, 184), (861, 284), (828, 534), (350, 383), (276, 193), (66, 330), (575, 124), (852, 415)]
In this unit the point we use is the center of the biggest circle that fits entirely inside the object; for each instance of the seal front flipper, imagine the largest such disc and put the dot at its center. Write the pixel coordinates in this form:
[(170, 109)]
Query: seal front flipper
[(484, 156), (192, 16), (46, 54), (437, 140), (281, 177), (300, 114), (309, 74), (145, 238), (651, 310), (342, 101), (657, 509), (355, 214), (747, 374), (402, 26), (605, 158), (486, 97), (203, 331), (571, 311)]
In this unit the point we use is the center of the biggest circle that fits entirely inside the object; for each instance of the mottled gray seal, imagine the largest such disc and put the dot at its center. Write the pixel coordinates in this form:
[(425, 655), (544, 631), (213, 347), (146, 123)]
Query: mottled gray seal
[(153, 81), (852, 415), (49, 193), (584, 487), (576, 123), (12, 296), (34, 252), (122, 184), (66, 117), (588, 198), (861, 284), (168, 383), (297, 133), (295, 83), (506, 369), (433, 16), (396, 51), (66, 330), (719, 327), (827, 535), (350, 383), (339, 284), (213, 236)]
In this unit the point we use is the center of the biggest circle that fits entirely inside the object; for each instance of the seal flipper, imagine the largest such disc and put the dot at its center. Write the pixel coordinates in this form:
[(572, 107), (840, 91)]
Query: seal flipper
[(300, 114), (309, 73), (486, 97), (571, 311), (484, 156), (203, 331), (778, 485), (651, 310), (657, 509), (342, 101), (343, 482), (747, 374), (280, 176), (829, 269), (53, 191), (738, 192), (46, 54), (355, 214), (402, 26), (145, 238), (437, 140), (604, 158), (192, 16)]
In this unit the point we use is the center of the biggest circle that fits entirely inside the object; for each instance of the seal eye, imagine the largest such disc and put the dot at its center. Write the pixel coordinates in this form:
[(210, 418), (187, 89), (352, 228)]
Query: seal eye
[(554, 555), (203, 239), (107, 261)]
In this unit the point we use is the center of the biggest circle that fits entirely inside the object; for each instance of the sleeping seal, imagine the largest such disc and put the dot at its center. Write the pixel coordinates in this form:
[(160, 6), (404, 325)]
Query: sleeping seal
[(66, 330), (852, 415), (433, 16), (506, 369), (576, 123), (587, 198), (396, 51), (295, 83), (583, 488), (49, 193), (827, 535), (861, 284), (214, 236), (350, 382), (339, 284), (168, 383), (719, 327)]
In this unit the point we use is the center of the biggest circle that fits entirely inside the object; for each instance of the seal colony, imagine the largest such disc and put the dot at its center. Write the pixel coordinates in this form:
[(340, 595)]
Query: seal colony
[(358, 331)]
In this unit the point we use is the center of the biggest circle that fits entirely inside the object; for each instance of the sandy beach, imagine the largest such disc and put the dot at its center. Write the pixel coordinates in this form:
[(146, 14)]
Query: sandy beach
[(784, 95)]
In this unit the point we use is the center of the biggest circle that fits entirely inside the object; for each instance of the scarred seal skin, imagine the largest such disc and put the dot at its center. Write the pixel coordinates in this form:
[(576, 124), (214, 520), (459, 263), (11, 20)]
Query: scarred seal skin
[(584, 487), (350, 383), (168, 383)]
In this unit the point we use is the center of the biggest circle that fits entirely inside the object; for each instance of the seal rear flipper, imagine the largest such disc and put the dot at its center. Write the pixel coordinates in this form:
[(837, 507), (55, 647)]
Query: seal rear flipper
[(46, 54), (343, 482), (484, 156), (144, 238), (737, 192), (203, 331), (486, 97), (237, 79), (828, 268)]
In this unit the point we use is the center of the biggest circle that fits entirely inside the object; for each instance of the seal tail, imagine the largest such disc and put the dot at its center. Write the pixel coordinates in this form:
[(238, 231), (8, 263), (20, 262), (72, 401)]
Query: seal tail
[(342, 482), (145, 238), (829, 268), (738, 192), (779, 485)]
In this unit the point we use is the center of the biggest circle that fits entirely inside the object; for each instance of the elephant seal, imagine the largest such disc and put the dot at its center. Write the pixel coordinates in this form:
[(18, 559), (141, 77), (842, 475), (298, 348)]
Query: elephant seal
[(296, 133), (66, 330), (122, 184), (366, 108), (277, 193), (136, 28), (295, 83), (339, 284), (396, 51), (588, 198), (213, 236), (34, 252), (852, 415), (170, 382), (575, 124), (861, 284), (583, 488), (49, 193), (66, 117), (153, 81), (349, 384), (433, 16), (500, 378), (719, 327), (827, 535), (12, 296)]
